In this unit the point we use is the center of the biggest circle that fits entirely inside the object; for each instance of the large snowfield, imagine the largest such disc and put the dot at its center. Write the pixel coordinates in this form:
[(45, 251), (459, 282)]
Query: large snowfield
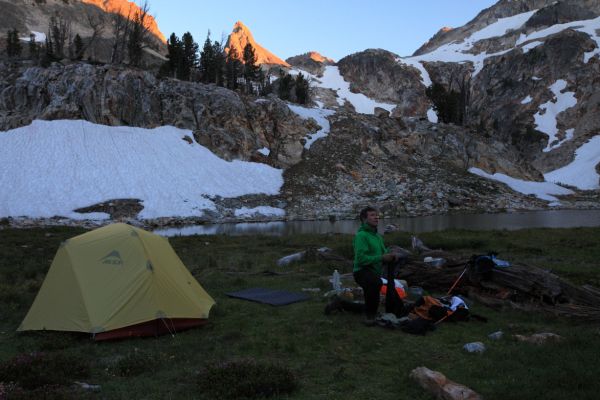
[(51, 168)]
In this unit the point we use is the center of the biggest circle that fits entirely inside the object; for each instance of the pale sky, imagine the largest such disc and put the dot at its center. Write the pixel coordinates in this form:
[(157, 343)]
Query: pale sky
[(334, 28)]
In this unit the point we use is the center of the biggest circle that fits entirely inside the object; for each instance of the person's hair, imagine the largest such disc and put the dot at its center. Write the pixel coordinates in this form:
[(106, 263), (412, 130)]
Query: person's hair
[(364, 212)]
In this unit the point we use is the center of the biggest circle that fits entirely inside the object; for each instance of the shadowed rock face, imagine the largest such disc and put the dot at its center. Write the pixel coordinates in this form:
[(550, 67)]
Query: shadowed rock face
[(34, 16), (497, 94), (508, 8), (127, 8), (378, 75), (229, 124)]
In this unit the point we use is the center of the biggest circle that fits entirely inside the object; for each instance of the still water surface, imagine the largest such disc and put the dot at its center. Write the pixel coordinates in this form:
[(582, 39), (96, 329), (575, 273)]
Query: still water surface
[(509, 221)]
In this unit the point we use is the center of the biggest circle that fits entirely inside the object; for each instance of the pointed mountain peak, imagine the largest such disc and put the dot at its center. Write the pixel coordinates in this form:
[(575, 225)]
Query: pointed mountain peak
[(241, 36)]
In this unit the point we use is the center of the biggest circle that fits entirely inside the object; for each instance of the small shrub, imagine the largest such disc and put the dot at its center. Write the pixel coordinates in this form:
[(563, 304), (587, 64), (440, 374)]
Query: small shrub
[(134, 363), (48, 392), (36, 370), (247, 379)]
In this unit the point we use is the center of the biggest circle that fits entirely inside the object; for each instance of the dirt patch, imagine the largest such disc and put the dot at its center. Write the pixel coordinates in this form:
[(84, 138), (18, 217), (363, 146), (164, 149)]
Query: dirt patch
[(117, 208)]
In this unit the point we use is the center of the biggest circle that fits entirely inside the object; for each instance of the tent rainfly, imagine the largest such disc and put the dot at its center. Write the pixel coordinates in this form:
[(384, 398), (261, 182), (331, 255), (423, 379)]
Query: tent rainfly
[(118, 281)]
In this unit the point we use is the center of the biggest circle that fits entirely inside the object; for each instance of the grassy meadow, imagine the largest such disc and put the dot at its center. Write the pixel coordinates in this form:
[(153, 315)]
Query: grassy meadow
[(296, 348)]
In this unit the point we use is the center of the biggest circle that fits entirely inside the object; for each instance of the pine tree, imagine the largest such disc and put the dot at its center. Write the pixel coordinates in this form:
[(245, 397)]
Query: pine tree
[(189, 56), (207, 61), (174, 55), (218, 64), (79, 49), (13, 44), (233, 68), (286, 82), (33, 48), (9, 43), (302, 89), (250, 67)]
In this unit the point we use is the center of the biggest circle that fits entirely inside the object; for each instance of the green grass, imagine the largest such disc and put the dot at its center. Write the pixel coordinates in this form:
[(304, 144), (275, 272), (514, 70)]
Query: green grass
[(331, 357)]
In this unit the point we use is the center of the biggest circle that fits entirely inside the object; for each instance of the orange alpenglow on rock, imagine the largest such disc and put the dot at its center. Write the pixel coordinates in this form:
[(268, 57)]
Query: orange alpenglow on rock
[(241, 36), (315, 56), (127, 9)]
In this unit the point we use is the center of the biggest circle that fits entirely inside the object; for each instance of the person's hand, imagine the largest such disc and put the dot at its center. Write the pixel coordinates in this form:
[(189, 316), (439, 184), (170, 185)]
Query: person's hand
[(388, 258)]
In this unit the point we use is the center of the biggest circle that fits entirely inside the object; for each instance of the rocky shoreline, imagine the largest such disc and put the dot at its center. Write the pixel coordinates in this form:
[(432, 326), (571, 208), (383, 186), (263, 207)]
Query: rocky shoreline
[(581, 203)]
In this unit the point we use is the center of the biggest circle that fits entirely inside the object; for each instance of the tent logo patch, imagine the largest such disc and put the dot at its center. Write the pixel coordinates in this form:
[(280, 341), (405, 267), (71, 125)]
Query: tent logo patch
[(112, 258)]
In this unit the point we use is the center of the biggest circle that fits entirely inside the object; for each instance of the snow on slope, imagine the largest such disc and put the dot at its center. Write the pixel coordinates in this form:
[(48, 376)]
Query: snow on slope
[(545, 118), (581, 172), (38, 37), (54, 167), (332, 79), (261, 210), (589, 26), (320, 115), (542, 190), (456, 52)]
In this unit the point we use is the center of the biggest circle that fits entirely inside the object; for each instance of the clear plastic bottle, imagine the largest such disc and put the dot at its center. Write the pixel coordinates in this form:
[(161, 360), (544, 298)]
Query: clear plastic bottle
[(336, 282)]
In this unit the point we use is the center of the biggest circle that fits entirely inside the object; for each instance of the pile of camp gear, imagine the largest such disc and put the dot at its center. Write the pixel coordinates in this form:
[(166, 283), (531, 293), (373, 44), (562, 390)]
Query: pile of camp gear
[(488, 280)]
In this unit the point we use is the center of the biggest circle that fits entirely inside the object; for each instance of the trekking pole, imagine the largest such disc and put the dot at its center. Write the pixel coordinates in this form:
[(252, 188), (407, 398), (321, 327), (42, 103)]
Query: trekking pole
[(457, 279)]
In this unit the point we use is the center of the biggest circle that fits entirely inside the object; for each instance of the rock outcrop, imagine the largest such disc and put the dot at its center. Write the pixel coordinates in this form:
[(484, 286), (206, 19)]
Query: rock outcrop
[(312, 62), (377, 74), (231, 125), (81, 17)]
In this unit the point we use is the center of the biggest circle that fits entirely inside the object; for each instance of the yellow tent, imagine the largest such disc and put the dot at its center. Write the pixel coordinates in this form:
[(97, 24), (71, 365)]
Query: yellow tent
[(118, 281)]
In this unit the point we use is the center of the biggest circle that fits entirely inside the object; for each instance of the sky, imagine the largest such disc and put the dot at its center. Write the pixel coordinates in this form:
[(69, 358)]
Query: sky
[(334, 28)]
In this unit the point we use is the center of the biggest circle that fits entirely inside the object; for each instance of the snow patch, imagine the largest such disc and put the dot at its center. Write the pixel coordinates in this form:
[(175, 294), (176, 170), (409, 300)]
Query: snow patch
[(55, 167), (545, 118), (458, 52), (261, 210), (589, 26), (332, 79), (581, 172), (531, 45), (39, 37), (542, 190), (320, 115), (413, 62), (432, 116), (501, 27), (265, 151), (526, 100)]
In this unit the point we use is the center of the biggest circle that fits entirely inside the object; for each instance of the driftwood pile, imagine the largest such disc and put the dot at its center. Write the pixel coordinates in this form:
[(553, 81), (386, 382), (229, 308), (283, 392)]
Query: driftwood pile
[(519, 286)]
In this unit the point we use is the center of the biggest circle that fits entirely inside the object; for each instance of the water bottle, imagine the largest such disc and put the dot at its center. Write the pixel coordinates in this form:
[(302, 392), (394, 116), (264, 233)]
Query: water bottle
[(335, 280)]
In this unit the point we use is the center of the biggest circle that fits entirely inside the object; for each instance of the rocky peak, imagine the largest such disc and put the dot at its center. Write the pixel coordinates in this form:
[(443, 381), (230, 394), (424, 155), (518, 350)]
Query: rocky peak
[(312, 62), (315, 56), (570, 10), (127, 9), (240, 36)]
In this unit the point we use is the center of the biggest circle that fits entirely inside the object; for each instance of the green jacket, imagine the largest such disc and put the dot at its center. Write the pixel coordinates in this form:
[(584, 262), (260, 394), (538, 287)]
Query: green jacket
[(368, 249)]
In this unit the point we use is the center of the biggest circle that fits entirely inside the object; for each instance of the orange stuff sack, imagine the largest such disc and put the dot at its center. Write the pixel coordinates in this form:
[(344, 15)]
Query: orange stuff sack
[(399, 290)]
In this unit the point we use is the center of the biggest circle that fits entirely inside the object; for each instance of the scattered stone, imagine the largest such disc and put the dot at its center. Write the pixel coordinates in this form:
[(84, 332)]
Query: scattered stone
[(381, 112), (283, 261), (391, 228), (496, 335), (87, 386), (441, 387), (539, 338), (474, 347)]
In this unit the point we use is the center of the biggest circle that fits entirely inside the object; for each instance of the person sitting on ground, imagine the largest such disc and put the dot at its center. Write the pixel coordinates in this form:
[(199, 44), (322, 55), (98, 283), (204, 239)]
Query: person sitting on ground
[(369, 254)]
